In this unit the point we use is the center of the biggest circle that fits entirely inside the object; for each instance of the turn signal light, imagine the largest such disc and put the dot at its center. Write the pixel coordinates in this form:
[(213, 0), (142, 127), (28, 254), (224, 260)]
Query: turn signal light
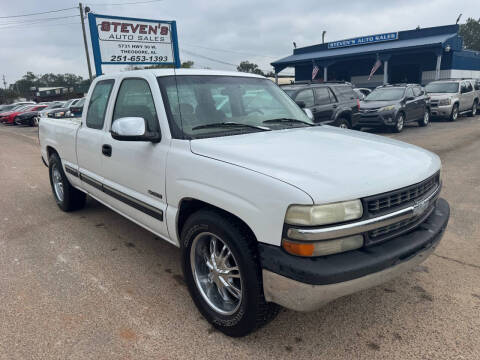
[(300, 249)]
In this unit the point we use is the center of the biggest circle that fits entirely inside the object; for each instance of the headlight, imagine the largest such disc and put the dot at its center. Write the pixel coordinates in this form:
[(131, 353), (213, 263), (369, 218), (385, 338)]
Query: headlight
[(387, 108), (314, 215), (445, 102)]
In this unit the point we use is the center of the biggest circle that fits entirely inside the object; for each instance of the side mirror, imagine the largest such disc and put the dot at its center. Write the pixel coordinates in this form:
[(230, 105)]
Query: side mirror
[(133, 129), (300, 103), (309, 113), (408, 98)]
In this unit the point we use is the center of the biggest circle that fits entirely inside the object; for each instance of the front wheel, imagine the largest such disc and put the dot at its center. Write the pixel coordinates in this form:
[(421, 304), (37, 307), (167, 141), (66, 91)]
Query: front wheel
[(35, 121), (67, 197), (343, 123), (398, 127), (223, 275), (426, 118), (454, 114)]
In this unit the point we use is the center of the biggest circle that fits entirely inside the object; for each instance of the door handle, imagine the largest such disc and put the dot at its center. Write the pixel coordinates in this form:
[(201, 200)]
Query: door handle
[(107, 150), (334, 106)]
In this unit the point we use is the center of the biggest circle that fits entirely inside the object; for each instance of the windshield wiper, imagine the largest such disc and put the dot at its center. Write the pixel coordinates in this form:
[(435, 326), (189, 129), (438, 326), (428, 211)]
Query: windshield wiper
[(287, 120), (230, 124)]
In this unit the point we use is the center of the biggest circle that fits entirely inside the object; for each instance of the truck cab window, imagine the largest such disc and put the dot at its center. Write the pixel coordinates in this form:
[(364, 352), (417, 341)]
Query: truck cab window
[(98, 104), (135, 99)]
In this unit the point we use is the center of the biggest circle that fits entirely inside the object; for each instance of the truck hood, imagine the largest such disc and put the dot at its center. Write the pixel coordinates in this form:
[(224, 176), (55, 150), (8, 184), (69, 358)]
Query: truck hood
[(328, 163)]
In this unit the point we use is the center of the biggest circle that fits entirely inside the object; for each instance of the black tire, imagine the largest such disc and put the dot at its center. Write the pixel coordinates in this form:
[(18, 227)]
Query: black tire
[(342, 123), (454, 114), (73, 199), (252, 310), (399, 123), (426, 118), (473, 112)]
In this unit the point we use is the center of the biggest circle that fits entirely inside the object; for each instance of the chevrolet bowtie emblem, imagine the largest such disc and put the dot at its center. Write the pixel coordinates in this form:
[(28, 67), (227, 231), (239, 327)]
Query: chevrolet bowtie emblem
[(420, 207)]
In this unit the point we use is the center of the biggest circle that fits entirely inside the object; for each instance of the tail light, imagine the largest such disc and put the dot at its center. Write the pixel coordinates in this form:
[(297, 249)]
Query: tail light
[(358, 104)]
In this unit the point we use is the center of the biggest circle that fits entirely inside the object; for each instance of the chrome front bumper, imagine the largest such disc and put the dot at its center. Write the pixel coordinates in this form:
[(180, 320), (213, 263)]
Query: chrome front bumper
[(298, 296), (306, 284)]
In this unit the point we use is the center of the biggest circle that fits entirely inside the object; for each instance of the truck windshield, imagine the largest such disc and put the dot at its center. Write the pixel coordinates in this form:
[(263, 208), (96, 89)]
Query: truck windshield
[(385, 94), (196, 103), (442, 87)]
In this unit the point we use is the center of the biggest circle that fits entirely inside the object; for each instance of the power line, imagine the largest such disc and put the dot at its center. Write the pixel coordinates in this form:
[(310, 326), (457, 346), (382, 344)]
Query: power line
[(34, 22), (14, 22), (126, 3), (207, 58), (231, 51), (39, 13)]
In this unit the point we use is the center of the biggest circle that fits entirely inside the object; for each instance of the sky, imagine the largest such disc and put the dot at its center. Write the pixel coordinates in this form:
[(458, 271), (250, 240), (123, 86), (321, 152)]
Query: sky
[(259, 31)]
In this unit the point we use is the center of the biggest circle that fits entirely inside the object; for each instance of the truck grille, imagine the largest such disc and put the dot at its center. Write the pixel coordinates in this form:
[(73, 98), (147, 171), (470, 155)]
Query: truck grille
[(390, 231), (397, 198)]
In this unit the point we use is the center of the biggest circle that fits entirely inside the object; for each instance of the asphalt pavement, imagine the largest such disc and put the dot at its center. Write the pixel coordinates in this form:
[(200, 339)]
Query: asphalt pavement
[(93, 285)]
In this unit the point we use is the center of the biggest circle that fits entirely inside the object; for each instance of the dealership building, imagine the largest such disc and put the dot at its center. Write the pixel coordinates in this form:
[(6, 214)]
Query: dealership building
[(413, 56)]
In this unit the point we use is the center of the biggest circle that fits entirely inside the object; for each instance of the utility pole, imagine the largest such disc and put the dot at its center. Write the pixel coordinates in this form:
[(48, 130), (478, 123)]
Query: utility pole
[(80, 6), (4, 82)]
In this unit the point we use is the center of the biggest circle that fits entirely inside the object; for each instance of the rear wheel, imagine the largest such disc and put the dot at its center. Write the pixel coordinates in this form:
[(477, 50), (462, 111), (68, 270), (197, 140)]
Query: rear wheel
[(67, 197), (35, 121), (400, 123), (223, 274), (454, 114), (426, 118), (473, 112)]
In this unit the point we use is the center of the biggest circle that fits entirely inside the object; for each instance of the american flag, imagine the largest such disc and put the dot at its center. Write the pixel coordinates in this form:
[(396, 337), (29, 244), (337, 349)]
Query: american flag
[(315, 71), (375, 67)]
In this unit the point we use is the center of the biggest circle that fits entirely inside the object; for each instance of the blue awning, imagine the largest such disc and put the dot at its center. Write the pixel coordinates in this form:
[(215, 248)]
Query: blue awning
[(382, 47)]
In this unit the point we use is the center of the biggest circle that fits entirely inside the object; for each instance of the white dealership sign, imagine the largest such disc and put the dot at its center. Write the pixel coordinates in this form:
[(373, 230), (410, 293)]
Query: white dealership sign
[(118, 40)]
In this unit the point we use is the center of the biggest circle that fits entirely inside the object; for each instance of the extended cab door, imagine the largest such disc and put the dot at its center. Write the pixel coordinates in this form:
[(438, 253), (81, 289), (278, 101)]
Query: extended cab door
[(134, 171), (325, 104), (90, 138)]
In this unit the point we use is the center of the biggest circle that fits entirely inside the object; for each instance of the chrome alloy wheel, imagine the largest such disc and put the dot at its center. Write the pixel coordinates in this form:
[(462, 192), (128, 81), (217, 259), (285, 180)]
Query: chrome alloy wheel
[(57, 182), (474, 108), (216, 273)]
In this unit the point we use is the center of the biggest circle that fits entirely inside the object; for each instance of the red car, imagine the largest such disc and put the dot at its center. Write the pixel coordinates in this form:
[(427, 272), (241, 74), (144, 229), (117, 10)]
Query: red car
[(9, 117)]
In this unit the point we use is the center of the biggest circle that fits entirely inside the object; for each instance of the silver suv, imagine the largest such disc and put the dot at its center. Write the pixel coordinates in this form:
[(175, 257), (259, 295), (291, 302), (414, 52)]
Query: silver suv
[(449, 98)]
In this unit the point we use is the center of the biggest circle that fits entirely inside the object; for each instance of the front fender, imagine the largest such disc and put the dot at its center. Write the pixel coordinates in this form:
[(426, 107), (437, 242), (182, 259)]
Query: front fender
[(257, 199)]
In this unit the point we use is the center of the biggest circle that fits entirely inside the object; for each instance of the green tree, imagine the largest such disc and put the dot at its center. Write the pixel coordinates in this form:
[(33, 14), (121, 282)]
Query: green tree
[(470, 31), (248, 67)]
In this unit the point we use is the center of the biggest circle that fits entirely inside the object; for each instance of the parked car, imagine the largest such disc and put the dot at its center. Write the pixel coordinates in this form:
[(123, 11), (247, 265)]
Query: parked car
[(450, 98), (76, 109), (53, 106), (393, 106), (362, 92), (28, 116), (9, 116), (331, 103), (14, 106), (266, 208)]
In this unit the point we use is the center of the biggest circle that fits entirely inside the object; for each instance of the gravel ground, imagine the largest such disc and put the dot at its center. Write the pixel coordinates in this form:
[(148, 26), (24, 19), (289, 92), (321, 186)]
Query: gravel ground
[(93, 285)]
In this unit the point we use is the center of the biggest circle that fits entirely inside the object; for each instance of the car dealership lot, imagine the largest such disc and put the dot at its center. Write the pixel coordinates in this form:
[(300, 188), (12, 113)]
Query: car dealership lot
[(91, 284)]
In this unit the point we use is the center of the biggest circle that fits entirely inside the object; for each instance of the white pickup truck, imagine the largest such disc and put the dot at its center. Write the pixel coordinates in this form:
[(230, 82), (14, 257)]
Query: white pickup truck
[(267, 208)]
